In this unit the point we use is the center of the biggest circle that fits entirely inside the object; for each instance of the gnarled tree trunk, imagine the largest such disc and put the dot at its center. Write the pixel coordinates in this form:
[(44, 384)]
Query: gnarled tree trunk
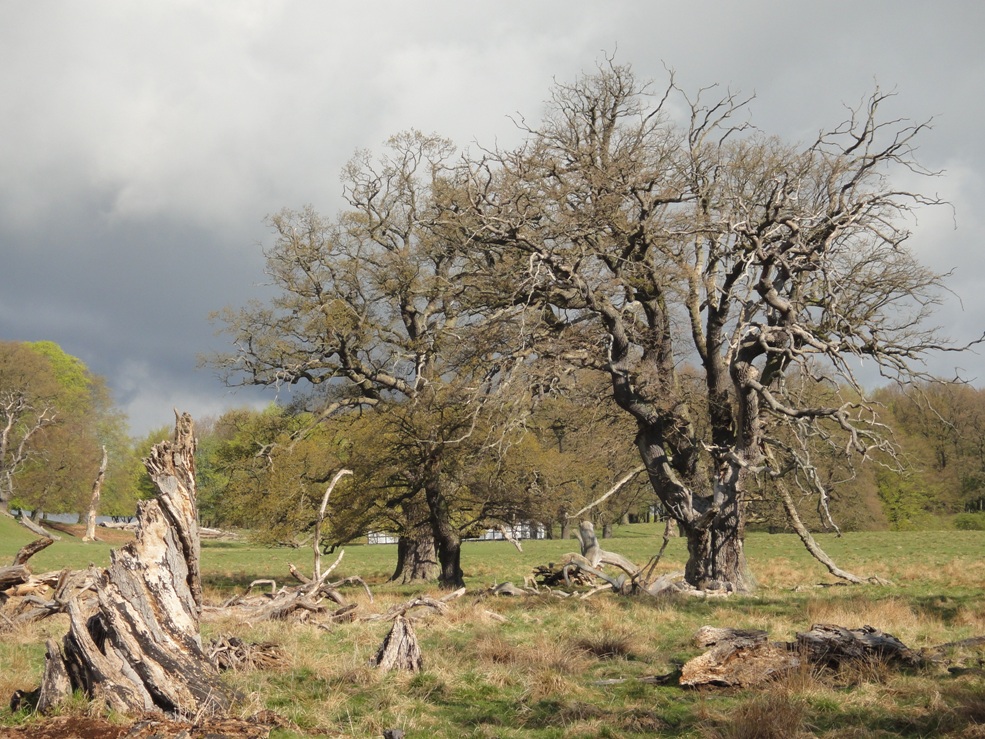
[(141, 649), (447, 542), (415, 558)]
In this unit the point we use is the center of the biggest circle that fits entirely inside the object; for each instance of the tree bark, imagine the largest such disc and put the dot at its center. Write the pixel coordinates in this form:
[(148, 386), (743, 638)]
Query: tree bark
[(416, 559), (716, 553), (141, 649), (97, 489), (399, 650), (711, 517), (447, 542)]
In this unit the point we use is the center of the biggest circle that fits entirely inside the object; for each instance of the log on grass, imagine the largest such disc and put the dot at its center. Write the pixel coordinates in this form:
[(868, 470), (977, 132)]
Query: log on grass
[(831, 646), (736, 658), (743, 658), (34, 528), (140, 649), (13, 575)]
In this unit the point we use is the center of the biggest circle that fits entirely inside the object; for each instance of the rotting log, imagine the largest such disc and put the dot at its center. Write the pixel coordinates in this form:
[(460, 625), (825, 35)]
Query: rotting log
[(34, 528), (139, 649), (743, 658), (831, 646), (13, 576), (736, 657)]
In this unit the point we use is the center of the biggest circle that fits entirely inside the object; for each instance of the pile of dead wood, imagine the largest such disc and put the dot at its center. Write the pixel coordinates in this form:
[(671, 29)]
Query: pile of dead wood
[(26, 597), (600, 570), (746, 658)]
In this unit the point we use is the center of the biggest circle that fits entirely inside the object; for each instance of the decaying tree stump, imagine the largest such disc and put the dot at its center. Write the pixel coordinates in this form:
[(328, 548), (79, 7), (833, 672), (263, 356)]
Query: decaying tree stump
[(399, 650), (140, 650)]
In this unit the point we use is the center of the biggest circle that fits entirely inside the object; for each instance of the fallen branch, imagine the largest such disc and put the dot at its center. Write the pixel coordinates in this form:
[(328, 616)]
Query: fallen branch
[(34, 528), (232, 653), (611, 491)]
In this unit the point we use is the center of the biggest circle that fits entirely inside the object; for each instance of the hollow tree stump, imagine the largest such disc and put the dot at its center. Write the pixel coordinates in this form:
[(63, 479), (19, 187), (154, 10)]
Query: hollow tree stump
[(140, 650)]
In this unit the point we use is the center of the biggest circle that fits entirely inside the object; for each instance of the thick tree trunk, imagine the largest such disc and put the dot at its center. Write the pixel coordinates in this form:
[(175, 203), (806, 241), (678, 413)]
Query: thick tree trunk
[(715, 547), (97, 489), (416, 560), (141, 649), (447, 542), (713, 522), (449, 550)]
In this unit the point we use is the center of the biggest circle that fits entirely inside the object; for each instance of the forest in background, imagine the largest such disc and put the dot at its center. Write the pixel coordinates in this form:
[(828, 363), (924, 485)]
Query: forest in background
[(256, 472)]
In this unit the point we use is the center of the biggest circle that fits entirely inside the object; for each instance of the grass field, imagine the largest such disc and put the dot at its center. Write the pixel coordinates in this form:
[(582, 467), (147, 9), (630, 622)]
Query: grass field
[(537, 673)]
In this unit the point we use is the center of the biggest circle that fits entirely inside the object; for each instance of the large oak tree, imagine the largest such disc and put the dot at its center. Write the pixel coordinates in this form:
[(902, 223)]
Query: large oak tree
[(370, 313), (645, 232)]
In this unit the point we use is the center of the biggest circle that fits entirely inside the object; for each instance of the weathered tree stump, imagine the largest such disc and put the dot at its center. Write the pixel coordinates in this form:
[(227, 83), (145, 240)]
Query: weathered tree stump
[(140, 649), (400, 650)]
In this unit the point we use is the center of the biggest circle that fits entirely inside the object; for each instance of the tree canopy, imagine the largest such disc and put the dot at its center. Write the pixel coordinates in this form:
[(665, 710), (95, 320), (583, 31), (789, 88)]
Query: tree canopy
[(725, 282), (56, 418)]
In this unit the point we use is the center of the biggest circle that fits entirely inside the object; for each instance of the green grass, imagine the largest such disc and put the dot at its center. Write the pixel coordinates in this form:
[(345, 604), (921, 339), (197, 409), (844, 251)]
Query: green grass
[(535, 675)]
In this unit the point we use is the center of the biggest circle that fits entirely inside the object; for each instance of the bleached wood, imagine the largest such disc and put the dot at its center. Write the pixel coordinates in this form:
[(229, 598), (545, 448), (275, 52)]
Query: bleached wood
[(139, 649)]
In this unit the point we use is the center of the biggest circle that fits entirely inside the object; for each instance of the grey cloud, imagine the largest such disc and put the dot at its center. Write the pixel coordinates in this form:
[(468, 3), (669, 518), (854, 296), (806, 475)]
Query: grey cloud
[(144, 143)]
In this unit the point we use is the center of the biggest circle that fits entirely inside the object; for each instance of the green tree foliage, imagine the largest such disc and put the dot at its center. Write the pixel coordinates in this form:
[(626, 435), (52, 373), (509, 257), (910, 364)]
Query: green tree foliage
[(940, 427), (53, 449), (28, 392), (372, 312)]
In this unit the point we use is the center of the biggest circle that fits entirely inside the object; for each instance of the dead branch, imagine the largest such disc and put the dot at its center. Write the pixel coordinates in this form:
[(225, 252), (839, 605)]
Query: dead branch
[(29, 550), (97, 489), (813, 547), (620, 483), (316, 540), (508, 535), (232, 653)]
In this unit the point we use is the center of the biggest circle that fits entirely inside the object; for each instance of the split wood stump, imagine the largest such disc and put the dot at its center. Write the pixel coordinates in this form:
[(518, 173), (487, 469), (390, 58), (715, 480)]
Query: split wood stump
[(140, 650)]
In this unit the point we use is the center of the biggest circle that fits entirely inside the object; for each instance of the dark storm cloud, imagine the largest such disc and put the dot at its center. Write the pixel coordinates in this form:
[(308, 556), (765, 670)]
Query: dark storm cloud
[(144, 143)]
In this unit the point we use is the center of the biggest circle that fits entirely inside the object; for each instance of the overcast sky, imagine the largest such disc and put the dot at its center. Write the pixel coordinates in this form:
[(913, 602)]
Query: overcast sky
[(144, 143)]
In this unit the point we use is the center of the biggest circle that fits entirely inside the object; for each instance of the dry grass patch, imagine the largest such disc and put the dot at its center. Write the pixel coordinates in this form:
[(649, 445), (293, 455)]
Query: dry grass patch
[(776, 713)]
